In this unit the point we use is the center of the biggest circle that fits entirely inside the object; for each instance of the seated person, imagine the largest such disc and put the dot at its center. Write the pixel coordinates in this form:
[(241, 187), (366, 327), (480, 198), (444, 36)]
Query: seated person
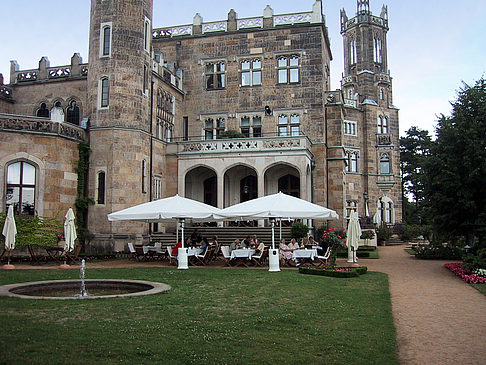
[(293, 245), (195, 237), (304, 243), (259, 249), (234, 245), (285, 251), (175, 250), (246, 242), (204, 246)]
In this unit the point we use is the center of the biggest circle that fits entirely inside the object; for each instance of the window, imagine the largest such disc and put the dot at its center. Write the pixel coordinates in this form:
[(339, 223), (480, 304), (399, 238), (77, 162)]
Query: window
[(377, 50), (352, 52), (146, 35), (351, 206), (251, 72), (288, 69), (213, 127), (382, 94), (251, 126), (144, 176), (388, 215), (43, 111), (105, 40), (157, 187), (384, 164), (105, 93), (382, 125), (352, 161), (21, 177), (290, 185), (350, 128), (101, 187), (289, 125), (215, 75), (73, 113), (144, 90), (186, 128), (165, 115)]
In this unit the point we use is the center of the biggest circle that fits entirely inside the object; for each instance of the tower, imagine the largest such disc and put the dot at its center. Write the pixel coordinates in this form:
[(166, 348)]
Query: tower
[(119, 101), (367, 86)]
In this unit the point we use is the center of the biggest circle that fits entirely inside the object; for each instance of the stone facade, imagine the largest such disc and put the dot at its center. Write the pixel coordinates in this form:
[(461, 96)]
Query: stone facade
[(154, 105)]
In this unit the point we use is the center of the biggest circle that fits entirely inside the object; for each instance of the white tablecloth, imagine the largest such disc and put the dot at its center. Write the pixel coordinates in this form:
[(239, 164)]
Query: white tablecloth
[(156, 249), (192, 251), (244, 252), (304, 254)]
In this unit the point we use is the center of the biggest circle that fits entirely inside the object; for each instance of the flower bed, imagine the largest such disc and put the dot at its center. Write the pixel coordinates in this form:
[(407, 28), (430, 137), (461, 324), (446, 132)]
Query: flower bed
[(457, 269), (338, 272)]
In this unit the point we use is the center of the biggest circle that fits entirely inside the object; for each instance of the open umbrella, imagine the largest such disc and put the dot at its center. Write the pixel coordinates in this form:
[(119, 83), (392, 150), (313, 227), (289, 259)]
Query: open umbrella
[(9, 231), (277, 206), (352, 236), (69, 231), (172, 208)]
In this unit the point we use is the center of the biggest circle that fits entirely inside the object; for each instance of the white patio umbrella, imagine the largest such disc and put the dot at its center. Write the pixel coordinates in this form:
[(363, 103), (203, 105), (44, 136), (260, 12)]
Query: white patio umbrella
[(171, 208), (69, 231), (352, 236), (277, 206), (9, 231)]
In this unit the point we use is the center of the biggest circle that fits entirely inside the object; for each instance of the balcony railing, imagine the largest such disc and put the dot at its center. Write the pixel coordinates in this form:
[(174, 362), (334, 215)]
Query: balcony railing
[(36, 125), (238, 145)]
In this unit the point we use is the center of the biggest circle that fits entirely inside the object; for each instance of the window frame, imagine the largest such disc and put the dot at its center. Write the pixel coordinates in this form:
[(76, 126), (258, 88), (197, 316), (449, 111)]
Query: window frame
[(290, 124), (385, 160), (251, 71), (103, 27), (252, 127), (214, 74), (101, 187), (288, 68), (102, 102), (21, 186), (352, 158), (382, 124), (350, 128), (215, 129)]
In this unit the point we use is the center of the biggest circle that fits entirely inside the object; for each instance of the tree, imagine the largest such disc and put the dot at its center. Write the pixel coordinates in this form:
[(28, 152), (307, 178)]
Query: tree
[(455, 172), (414, 149)]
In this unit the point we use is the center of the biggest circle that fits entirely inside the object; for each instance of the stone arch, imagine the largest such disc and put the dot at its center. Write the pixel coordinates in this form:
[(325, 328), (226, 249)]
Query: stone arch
[(385, 211), (280, 170), (240, 183), (200, 183), (43, 105)]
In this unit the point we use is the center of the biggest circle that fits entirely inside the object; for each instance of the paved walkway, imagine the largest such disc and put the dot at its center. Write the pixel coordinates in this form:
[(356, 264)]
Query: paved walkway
[(438, 317)]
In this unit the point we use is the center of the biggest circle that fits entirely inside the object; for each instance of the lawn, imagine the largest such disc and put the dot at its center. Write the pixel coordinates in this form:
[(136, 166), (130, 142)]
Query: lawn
[(211, 316)]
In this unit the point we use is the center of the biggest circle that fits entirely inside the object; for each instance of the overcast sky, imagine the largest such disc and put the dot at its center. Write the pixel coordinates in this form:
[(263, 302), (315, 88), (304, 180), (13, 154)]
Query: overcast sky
[(433, 46)]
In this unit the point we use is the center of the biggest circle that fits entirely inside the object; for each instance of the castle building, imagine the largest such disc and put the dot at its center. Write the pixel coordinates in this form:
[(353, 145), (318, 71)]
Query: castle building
[(221, 112)]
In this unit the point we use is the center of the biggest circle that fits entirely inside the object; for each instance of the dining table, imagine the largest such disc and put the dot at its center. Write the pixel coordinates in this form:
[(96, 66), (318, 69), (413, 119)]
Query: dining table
[(306, 255), (242, 256)]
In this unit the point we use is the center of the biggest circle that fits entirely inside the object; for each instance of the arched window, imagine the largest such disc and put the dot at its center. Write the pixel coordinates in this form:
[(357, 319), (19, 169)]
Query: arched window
[(352, 159), (73, 113), (105, 92), (382, 125), (106, 39), (384, 164), (57, 113), (43, 111), (21, 179), (101, 187), (389, 210), (288, 69)]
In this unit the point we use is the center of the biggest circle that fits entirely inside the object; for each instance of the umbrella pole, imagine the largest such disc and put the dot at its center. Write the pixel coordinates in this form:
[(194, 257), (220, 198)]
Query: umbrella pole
[(274, 259), (8, 257), (280, 230), (182, 252)]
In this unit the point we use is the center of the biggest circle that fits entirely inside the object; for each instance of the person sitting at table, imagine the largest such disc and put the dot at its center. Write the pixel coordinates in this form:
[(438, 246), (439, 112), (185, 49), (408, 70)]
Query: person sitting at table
[(204, 246), (304, 243), (256, 241), (293, 245), (195, 237), (259, 249), (175, 250), (246, 242), (234, 245), (285, 251)]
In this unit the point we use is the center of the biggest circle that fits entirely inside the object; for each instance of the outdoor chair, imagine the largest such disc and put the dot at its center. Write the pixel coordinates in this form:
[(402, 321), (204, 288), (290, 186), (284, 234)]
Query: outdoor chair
[(131, 249), (71, 257), (259, 260), (203, 258), (322, 260), (140, 253), (170, 256), (226, 255)]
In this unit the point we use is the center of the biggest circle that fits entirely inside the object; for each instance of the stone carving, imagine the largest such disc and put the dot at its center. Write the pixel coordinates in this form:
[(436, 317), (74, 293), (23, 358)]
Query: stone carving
[(292, 18), (27, 76), (250, 23), (172, 31), (215, 27), (384, 140), (5, 92), (58, 72), (241, 145)]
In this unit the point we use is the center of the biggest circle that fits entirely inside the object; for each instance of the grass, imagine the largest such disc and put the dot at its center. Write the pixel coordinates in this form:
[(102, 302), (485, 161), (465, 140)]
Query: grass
[(410, 251), (211, 316), (480, 287)]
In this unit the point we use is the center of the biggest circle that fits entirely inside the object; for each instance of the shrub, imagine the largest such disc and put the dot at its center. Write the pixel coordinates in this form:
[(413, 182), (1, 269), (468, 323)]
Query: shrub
[(338, 272), (368, 235), (437, 251), (383, 233), (475, 262), (299, 230)]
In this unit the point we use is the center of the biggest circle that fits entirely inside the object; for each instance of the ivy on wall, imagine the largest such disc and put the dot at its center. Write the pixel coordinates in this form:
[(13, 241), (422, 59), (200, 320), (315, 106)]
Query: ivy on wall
[(82, 200)]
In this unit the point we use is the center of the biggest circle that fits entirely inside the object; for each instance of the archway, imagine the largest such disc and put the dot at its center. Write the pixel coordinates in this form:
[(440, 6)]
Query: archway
[(200, 184)]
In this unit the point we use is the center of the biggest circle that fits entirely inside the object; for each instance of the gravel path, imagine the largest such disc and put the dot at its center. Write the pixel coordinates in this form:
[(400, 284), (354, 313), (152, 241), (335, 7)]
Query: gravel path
[(438, 317)]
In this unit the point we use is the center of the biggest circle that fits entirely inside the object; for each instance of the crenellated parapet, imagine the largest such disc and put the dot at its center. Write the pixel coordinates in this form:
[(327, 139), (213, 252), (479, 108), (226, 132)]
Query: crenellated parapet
[(268, 20), (76, 70)]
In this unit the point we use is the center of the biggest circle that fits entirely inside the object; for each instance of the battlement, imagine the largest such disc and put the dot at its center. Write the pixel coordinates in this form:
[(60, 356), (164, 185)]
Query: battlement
[(75, 70), (268, 20)]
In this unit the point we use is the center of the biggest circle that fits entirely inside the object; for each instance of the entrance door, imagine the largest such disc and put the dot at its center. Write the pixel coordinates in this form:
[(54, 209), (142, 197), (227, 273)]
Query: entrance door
[(248, 188)]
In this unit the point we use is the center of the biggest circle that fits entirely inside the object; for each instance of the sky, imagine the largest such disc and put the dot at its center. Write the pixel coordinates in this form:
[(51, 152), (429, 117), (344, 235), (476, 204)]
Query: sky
[(433, 46)]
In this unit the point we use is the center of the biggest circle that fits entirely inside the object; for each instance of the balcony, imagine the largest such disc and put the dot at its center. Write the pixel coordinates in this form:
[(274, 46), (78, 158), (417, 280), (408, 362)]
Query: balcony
[(245, 145), (44, 126)]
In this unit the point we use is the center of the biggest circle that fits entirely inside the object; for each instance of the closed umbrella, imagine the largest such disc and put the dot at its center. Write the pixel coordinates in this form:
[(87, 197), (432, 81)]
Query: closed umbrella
[(9, 232), (69, 231), (352, 237)]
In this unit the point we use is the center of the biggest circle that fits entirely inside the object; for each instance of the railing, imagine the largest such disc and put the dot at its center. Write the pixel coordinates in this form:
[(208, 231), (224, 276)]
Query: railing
[(351, 102), (383, 77), (215, 27), (250, 23), (52, 73), (172, 31), (364, 18), (291, 19), (36, 125), (239, 145)]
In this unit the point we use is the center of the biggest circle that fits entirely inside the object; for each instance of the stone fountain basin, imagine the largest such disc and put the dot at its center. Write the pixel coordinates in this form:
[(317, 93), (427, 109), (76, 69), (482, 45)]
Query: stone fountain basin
[(70, 289)]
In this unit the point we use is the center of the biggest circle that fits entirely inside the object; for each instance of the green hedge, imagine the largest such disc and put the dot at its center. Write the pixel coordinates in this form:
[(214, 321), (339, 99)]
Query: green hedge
[(354, 272)]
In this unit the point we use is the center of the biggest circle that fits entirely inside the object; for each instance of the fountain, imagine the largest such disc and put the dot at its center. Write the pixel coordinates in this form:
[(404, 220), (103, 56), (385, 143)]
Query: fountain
[(78, 289)]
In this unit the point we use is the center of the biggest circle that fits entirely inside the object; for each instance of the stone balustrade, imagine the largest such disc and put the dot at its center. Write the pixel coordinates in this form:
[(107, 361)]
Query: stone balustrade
[(291, 19), (44, 126), (76, 69), (239, 145), (364, 18)]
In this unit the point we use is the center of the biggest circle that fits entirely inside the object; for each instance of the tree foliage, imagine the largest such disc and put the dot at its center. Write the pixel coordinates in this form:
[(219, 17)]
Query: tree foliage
[(455, 172), (414, 150)]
